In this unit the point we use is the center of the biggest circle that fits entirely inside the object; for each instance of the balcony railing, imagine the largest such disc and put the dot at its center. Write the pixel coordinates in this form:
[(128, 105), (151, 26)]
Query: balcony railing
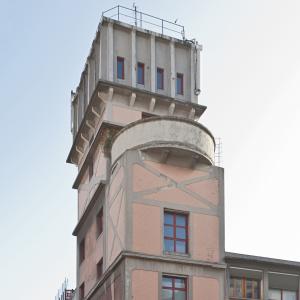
[(146, 21)]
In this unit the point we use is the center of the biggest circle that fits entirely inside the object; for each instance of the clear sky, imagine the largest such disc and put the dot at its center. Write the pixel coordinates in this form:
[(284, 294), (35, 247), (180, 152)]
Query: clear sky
[(251, 85)]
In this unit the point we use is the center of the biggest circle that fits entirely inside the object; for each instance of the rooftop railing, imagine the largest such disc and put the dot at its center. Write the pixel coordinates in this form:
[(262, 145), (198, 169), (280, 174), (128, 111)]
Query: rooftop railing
[(146, 21)]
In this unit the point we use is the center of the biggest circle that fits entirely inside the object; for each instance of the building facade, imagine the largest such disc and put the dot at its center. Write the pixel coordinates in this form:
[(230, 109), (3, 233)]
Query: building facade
[(150, 199)]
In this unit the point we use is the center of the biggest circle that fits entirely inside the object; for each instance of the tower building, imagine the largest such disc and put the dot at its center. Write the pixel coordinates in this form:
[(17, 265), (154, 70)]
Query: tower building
[(150, 199)]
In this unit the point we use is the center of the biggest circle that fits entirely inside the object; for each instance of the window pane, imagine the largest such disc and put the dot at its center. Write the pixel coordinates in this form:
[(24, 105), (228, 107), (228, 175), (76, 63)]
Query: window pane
[(180, 283), (120, 67), (160, 78), (288, 295), (179, 84), (274, 294), (180, 220), (168, 218), (140, 73), (249, 289), (256, 294), (169, 245), (167, 282), (166, 294), (180, 233), (169, 231), (180, 247), (180, 295), (238, 288)]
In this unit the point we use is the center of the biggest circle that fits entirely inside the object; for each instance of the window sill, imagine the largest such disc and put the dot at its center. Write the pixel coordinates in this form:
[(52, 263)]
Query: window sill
[(176, 254)]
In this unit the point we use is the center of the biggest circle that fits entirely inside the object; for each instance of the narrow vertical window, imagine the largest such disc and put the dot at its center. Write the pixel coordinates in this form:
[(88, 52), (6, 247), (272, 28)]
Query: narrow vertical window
[(81, 251), (99, 220), (91, 169), (174, 288), (100, 268), (160, 78), (179, 84), (175, 232), (140, 73), (81, 291), (120, 68)]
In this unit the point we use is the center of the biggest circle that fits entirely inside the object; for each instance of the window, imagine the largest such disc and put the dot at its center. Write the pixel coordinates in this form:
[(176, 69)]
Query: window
[(275, 294), (81, 251), (120, 68), (99, 220), (179, 84), (91, 169), (81, 291), (100, 268), (174, 288), (160, 79), (244, 288), (175, 232), (140, 73)]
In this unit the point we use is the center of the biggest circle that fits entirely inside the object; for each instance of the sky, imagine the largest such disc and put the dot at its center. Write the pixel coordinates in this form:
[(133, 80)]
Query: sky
[(251, 86)]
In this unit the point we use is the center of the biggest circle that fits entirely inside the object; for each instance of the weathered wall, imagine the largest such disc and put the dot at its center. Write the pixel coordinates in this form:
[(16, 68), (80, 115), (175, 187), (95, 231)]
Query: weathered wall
[(94, 248), (154, 187)]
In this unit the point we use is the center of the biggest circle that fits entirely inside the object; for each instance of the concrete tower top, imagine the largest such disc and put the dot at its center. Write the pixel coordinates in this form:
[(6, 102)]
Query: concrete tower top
[(138, 66)]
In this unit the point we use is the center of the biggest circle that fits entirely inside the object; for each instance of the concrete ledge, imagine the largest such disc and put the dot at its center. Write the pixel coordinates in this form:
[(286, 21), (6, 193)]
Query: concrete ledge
[(165, 132)]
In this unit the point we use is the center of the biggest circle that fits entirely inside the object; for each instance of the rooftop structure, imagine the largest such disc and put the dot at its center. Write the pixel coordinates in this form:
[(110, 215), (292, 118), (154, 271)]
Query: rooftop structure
[(150, 197)]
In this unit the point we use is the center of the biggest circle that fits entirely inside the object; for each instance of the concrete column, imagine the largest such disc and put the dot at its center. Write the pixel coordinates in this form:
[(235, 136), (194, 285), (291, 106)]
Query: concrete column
[(110, 52), (133, 58), (193, 79), (265, 293), (100, 63), (173, 74), (298, 286), (153, 71), (198, 74), (91, 76), (88, 83)]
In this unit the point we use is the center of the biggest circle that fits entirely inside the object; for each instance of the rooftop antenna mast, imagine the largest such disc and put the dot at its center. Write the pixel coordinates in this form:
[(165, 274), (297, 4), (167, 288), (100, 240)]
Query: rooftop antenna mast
[(135, 13)]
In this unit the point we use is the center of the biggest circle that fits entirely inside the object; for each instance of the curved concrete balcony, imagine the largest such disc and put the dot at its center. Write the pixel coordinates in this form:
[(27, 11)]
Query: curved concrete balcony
[(169, 134)]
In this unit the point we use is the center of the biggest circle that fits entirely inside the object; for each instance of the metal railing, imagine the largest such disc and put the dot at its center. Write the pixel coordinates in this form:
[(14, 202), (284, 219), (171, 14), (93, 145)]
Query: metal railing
[(146, 21)]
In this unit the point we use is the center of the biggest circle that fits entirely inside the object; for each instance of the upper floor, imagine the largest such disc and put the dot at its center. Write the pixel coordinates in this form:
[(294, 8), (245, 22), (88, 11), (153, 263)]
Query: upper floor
[(139, 59)]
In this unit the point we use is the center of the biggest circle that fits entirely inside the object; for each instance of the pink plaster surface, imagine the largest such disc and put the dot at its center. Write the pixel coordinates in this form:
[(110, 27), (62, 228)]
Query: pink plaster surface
[(146, 229), (110, 240), (144, 285), (124, 115), (205, 237), (208, 189), (178, 174), (100, 165), (83, 193), (93, 253), (145, 180), (117, 215), (205, 288), (176, 196), (116, 183)]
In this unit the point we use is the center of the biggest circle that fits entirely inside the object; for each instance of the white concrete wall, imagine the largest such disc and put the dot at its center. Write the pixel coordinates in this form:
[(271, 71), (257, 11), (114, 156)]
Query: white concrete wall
[(136, 45)]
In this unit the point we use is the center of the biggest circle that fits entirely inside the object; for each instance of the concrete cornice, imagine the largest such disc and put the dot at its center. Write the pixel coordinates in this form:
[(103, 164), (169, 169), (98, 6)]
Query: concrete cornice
[(237, 257)]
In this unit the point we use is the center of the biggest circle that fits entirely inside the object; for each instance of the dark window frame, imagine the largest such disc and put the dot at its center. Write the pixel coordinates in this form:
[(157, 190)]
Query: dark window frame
[(142, 66), (180, 90), (81, 291), (175, 226), (100, 268), (173, 288), (82, 251), (160, 84), (99, 222), (121, 60)]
